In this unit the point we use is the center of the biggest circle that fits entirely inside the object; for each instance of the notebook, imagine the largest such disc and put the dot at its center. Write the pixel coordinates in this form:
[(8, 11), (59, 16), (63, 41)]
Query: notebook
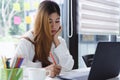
[(81, 74)]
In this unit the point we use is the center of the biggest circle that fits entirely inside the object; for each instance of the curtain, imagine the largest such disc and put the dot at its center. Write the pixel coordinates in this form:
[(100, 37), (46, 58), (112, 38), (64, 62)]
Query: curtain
[(98, 17)]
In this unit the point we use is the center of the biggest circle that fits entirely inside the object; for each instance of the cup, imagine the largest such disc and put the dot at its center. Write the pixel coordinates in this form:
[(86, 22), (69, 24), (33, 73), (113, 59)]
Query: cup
[(11, 74), (36, 74)]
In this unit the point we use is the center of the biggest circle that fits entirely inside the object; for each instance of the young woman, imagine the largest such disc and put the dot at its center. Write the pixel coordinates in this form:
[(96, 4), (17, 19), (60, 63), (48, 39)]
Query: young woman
[(37, 44)]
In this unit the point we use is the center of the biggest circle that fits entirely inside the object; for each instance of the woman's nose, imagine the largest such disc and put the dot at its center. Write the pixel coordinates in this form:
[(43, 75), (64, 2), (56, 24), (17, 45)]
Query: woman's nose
[(53, 25)]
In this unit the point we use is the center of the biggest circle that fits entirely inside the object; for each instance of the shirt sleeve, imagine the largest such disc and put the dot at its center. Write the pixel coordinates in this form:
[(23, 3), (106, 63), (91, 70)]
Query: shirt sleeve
[(26, 50), (63, 54)]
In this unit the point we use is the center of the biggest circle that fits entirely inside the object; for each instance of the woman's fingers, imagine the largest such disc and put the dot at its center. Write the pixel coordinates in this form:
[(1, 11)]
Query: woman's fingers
[(58, 67), (58, 32), (54, 70)]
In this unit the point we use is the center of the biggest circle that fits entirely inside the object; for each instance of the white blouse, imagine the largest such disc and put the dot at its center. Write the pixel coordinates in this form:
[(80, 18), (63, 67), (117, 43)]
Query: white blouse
[(61, 54)]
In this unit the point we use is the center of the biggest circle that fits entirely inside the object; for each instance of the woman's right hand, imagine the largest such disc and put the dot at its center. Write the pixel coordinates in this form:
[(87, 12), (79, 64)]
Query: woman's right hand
[(55, 37), (53, 70)]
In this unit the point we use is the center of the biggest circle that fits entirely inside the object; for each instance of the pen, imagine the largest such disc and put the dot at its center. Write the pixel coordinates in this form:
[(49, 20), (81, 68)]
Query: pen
[(52, 57), (13, 62), (8, 63), (19, 64), (3, 61)]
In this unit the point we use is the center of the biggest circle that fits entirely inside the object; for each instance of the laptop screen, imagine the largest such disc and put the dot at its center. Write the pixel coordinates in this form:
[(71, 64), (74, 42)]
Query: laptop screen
[(106, 63)]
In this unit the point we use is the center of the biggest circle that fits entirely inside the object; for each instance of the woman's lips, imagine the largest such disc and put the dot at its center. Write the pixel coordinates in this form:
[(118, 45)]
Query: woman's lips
[(53, 31)]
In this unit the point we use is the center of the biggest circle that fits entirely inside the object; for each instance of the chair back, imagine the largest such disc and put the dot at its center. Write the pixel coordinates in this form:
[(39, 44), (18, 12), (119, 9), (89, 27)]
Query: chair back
[(88, 59)]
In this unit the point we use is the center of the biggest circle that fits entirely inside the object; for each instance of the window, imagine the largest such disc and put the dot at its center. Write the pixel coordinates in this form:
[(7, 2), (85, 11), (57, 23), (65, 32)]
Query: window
[(16, 18), (98, 21)]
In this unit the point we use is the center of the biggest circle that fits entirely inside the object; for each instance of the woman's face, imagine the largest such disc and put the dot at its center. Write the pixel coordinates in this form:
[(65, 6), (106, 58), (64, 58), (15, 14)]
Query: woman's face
[(54, 21)]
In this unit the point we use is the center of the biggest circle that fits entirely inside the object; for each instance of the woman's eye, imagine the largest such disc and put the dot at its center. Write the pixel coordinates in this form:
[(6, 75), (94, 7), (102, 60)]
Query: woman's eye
[(57, 21), (50, 21)]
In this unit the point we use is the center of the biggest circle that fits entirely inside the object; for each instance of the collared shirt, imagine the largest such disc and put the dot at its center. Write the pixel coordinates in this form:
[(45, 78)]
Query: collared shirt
[(61, 53)]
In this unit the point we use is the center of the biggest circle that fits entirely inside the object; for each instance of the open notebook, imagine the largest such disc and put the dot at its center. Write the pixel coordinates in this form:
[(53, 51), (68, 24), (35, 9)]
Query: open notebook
[(80, 74)]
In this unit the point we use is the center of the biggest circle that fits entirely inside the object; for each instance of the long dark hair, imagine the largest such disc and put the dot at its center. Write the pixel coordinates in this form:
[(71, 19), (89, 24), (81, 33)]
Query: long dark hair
[(42, 31)]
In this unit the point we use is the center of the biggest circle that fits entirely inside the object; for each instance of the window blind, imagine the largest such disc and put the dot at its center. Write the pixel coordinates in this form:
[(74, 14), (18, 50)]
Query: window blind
[(98, 16)]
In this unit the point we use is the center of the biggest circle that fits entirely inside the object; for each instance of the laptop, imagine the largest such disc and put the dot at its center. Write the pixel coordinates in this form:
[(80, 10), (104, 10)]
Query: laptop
[(106, 63)]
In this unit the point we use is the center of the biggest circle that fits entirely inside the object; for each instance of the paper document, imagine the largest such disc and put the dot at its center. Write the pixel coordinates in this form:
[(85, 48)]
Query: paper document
[(74, 75)]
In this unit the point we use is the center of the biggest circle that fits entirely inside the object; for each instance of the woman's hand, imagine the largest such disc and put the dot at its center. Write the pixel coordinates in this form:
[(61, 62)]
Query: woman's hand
[(55, 37), (53, 70)]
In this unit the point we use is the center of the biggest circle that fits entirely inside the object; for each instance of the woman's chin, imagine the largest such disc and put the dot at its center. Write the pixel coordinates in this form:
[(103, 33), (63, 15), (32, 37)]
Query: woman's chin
[(53, 34)]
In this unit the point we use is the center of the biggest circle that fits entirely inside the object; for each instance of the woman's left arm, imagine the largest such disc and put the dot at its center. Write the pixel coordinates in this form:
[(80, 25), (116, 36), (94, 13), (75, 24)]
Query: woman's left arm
[(63, 54)]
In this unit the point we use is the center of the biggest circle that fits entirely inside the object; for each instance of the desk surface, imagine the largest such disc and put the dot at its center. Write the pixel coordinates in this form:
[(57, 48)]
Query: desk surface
[(82, 73)]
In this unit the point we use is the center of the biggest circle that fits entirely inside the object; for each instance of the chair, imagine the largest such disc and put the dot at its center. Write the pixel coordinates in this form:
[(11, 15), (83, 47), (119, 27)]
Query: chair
[(88, 59)]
